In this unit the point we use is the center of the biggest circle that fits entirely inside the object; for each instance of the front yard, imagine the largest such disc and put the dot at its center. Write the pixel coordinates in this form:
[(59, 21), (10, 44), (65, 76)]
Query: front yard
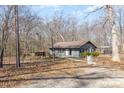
[(64, 73)]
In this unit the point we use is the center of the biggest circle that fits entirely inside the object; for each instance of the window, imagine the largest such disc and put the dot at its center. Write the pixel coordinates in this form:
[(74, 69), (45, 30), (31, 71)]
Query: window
[(82, 50), (60, 51)]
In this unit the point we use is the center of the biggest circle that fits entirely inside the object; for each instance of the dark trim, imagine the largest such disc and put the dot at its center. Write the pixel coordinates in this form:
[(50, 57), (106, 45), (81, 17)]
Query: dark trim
[(90, 43)]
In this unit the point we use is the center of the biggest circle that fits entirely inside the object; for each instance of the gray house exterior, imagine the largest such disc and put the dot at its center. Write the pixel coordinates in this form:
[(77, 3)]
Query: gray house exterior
[(72, 48)]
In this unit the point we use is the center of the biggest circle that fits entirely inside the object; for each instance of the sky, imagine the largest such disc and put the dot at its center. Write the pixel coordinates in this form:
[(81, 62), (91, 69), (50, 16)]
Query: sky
[(77, 11)]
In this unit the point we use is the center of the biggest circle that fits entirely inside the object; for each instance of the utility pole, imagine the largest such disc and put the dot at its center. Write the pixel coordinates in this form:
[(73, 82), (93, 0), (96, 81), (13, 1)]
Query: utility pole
[(17, 37)]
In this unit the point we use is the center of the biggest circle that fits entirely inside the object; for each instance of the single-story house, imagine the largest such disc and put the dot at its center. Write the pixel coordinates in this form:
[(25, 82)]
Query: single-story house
[(72, 48)]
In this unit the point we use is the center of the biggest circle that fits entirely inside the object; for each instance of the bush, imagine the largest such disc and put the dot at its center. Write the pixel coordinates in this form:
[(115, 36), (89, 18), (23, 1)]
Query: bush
[(95, 54), (84, 54)]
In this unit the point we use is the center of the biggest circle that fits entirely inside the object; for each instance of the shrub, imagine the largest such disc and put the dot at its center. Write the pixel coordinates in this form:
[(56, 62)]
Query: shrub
[(84, 54), (95, 54)]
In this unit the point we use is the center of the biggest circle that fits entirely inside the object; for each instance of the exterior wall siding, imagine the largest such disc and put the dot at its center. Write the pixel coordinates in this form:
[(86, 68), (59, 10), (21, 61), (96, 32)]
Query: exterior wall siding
[(59, 54), (88, 46), (75, 53)]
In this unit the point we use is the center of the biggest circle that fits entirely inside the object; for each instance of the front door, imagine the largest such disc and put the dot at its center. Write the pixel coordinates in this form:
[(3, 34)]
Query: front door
[(67, 52)]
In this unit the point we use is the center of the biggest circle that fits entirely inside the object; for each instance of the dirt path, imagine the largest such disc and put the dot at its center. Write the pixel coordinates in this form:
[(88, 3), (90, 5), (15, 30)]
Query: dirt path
[(95, 76)]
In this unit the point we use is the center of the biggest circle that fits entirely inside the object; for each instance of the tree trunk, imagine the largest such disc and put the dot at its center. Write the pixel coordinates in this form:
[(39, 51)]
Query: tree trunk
[(1, 57), (121, 30), (63, 39), (26, 44), (115, 52), (53, 51), (17, 38)]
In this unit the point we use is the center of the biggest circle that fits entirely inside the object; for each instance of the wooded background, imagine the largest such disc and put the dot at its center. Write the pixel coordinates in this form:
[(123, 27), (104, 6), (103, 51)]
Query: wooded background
[(37, 32)]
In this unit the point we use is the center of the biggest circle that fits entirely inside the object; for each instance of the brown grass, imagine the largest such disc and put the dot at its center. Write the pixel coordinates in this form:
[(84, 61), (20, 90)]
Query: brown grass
[(10, 76), (106, 61)]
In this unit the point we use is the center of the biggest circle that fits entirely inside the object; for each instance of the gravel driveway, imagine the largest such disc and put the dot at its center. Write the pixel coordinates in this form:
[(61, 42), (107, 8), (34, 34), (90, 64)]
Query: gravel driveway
[(95, 77)]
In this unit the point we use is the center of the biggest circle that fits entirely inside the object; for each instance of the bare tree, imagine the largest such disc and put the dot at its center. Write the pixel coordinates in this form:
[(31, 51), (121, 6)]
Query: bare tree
[(120, 22), (115, 52), (4, 30), (52, 39), (29, 23), (111, 18), (58, 24)]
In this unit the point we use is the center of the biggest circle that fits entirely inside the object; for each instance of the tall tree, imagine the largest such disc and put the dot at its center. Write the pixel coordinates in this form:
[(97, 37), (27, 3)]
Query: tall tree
[(115, 51), (17, 37), (5, 22), (120, 22)]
